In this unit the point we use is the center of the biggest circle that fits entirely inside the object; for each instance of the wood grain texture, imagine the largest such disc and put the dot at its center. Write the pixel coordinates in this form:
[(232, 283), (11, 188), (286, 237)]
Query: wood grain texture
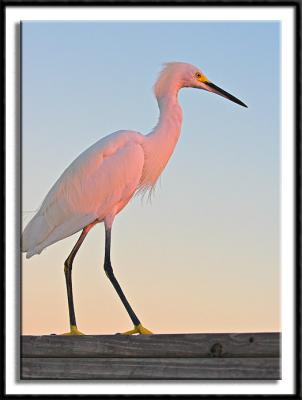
[(176, 345), (179, 356), (150, 368)]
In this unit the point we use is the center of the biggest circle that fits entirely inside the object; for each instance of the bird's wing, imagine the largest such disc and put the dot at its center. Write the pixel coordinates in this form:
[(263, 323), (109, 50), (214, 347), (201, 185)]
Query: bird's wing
[(97, 184)]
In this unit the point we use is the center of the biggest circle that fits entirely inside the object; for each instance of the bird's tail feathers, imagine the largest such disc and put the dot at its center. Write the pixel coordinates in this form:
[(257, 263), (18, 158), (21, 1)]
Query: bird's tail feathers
[(35, 233)]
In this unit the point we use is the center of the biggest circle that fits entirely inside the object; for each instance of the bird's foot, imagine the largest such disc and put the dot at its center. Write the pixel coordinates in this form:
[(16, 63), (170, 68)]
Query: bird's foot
[(73, 331), (138, 329)]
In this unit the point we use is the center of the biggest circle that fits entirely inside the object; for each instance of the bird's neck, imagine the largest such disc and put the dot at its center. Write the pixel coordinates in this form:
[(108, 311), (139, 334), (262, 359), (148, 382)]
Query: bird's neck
[(161, 142), (170, 118)]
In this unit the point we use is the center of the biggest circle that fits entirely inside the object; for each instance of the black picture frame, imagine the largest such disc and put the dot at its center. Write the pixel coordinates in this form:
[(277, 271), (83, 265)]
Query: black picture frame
[(297, 242)]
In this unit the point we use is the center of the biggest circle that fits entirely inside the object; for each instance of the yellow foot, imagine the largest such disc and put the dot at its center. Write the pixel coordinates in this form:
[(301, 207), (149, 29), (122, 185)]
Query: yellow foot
[(73, 331), (138, 329)]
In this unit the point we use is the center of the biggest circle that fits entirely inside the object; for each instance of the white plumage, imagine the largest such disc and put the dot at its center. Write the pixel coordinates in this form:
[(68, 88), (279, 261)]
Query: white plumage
[(83, 193), (102, 180)]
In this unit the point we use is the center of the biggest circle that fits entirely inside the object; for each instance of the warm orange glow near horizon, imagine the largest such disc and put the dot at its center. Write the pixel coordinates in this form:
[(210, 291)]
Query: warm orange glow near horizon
[(178, 287)]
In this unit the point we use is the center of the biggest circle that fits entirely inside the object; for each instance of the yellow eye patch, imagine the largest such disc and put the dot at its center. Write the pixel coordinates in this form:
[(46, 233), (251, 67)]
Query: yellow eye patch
[(201, 77)]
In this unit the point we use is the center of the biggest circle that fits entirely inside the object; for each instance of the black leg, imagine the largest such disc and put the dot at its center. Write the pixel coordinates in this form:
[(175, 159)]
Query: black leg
[(67, 271), (109, 272)]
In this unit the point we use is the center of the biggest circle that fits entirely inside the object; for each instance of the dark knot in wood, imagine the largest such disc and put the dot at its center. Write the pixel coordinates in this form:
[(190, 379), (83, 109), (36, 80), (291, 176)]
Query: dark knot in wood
[(216, 350)]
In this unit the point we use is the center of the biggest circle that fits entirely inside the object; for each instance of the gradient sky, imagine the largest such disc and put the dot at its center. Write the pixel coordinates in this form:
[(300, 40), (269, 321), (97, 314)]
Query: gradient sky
[(203, 256)]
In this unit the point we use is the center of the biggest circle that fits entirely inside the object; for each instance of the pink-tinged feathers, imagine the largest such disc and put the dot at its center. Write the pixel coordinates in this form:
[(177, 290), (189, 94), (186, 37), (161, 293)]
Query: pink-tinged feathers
[(99, 182), (102, 180)]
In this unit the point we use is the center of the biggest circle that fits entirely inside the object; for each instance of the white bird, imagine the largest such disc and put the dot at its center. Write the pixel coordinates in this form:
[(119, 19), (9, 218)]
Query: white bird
[(100, 182)]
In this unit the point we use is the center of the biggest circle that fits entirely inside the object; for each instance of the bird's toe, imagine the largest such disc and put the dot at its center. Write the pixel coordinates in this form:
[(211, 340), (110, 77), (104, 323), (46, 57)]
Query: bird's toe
[(73, 331), (138, 329)]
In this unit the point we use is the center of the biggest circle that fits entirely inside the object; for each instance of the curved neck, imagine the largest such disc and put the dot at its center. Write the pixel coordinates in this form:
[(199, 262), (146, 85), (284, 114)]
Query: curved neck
[(160, 143), (170, 118)]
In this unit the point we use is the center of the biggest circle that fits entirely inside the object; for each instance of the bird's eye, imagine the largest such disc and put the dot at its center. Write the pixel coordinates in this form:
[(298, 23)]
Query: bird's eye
[(198, 75)]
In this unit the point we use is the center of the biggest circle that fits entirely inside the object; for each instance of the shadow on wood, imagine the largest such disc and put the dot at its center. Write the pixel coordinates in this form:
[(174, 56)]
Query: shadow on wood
[(176, 356)]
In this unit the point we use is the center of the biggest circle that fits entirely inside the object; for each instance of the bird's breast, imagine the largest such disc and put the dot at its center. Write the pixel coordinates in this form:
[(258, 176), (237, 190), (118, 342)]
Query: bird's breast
[(157, 154)]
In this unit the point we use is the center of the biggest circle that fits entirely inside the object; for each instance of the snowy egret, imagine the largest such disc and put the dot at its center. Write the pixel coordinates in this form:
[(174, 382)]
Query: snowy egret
[(100, 182)]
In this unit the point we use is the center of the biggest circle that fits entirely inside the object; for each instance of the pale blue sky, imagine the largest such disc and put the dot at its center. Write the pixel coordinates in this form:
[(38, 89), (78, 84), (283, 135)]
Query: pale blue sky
[(210, 237)]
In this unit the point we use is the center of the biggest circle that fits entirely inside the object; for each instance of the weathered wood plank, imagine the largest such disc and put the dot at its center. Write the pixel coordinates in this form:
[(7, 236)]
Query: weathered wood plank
[(175, 345), (150, 368)]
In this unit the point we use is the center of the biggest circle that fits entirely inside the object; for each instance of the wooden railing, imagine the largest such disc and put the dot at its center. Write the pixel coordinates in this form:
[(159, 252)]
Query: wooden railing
[(171, 356)]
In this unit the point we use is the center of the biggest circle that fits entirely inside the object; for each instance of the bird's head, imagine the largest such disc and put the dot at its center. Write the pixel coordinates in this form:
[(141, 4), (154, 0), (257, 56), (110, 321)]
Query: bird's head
[(178, 74)]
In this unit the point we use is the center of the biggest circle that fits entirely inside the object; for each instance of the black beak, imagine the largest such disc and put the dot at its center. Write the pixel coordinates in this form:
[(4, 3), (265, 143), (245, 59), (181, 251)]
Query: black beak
[(216, 89)]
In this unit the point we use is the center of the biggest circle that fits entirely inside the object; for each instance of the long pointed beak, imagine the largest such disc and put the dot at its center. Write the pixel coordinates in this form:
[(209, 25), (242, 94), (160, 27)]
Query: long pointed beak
[(216, 89)]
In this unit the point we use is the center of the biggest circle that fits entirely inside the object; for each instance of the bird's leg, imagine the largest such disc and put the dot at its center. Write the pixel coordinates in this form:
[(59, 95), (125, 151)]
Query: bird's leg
[(67, 270), (138, 328)]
